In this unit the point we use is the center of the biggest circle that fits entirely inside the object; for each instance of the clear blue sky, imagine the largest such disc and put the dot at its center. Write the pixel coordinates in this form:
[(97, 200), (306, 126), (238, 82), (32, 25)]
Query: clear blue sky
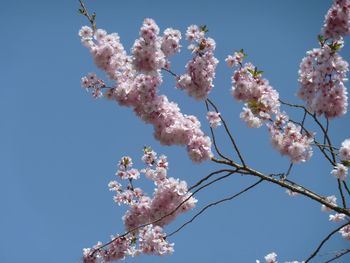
[(59, 147)]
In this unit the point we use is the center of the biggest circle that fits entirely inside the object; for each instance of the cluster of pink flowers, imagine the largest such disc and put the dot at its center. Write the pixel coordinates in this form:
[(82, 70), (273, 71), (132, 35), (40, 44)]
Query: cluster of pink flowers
[(170, 199), (344, 151), (272, 258), (214, 119), (337, 20), (337, 217), (93, 84), (288, 139), (345, 232), (236, 59), (198, 80), (262, 105), (261, 100), (147, 54), (138, 79), (322, 75), (340, 171)]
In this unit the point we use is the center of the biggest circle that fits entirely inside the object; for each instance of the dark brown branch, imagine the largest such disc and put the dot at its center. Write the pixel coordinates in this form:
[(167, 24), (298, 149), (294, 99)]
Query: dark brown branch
[(214, 204), (324, 241)]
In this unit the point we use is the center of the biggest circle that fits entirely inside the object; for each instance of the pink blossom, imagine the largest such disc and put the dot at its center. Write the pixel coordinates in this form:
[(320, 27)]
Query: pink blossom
[(137, 82), (337, 217), (271, 258), (148, 56), (289, 140), (340, 172), (236, 59), (198, 80), (86, 32), (214, 119), (261, 100), (170, 41), (337, 20), (345, 232), (322, 75), (344, 151), (152, 241)]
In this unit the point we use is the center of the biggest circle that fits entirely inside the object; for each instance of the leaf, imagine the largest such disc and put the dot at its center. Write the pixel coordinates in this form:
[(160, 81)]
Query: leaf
[(204, 28), (81, 11)]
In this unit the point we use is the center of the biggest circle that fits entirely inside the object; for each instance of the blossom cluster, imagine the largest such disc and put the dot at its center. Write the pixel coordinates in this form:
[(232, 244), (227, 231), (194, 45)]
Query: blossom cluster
[(92, 83), (340, 170), (146, 215), (262, 106), (138, 79), (289, 140), (337, 20), (214, 119), (322, 75), (198, 80), (272, 258), (261, 100)]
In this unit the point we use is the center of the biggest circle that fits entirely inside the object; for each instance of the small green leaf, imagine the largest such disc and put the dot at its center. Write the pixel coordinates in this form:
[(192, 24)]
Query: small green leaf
[(320, 38), (204, 28), (346, 163), (82, 11)]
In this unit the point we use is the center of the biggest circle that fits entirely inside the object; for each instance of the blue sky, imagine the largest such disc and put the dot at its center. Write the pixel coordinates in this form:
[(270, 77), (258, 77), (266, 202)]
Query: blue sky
[(60, 147)]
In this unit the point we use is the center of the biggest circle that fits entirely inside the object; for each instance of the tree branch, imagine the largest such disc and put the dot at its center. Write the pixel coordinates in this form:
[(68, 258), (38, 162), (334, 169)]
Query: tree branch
[(324, 241), (214, 204), (228, 133)]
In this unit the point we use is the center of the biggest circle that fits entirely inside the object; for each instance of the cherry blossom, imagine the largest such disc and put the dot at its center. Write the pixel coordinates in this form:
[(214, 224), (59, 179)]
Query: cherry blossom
[(340, 171), (214, 119), (345, 232), (337, 217), (344, 151), (322, 75), (198, 81), (337, 20), (170, 199)]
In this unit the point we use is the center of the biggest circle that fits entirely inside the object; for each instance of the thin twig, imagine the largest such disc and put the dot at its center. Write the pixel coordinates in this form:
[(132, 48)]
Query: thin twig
[(324, 241), (207, 177), (85, 12), (164, 216), (228, 133), (214, 139), (346, 187), (213, 204), (171, 72), (341, 193), (339, 255)]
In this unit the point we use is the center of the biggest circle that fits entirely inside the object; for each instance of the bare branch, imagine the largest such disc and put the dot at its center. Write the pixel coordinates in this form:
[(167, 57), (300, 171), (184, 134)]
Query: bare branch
[(228, 133), (92, 18), (214, 204), (324, 241), (213, 137), (339, 255)]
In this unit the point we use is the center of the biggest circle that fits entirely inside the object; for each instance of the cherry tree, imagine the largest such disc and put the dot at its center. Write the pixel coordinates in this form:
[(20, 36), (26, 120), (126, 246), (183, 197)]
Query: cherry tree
[(136, 79)]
